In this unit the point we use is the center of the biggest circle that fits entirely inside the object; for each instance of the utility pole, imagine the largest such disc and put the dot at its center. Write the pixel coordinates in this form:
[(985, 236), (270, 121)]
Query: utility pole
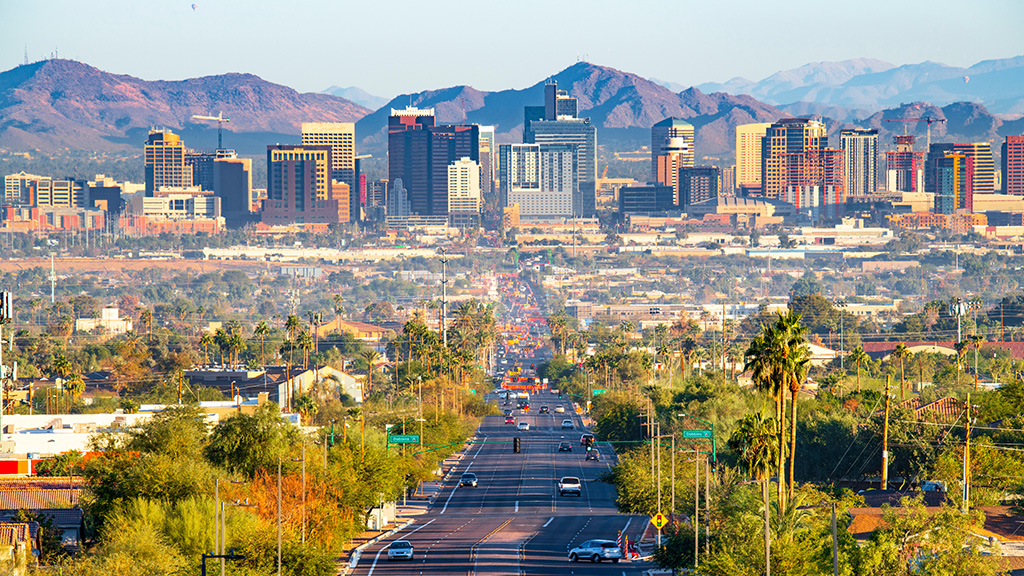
[(885, 438), (967, 458), (444, 296), (696, 506)]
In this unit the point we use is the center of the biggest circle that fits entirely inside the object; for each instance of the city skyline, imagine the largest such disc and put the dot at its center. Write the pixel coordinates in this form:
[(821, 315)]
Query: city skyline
[(236, 35)]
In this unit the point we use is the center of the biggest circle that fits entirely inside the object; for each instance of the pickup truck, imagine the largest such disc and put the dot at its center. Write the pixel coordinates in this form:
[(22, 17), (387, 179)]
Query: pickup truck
[(570, 485)]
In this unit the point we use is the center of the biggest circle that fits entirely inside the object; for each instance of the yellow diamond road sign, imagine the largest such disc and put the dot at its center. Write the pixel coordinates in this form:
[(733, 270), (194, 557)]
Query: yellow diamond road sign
[(659, 520)]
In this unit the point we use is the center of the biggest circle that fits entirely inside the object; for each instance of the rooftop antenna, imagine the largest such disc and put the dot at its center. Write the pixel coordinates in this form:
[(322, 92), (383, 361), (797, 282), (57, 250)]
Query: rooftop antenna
[(26, 53)]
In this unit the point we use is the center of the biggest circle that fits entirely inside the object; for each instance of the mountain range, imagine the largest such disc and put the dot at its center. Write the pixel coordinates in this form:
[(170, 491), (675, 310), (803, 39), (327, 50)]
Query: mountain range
[(57, 104), (875, 85)]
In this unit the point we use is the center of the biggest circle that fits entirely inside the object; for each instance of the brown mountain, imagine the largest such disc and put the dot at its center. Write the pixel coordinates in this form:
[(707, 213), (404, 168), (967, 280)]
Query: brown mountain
[(55, 104)]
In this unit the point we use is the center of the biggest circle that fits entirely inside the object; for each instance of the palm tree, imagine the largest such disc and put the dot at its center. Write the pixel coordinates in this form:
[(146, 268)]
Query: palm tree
[(764, 358), (261, 331), (205, 342), (357, 414), (146, 317), (370, 357), (976, 341), (754, 440), (796, 362), (236, 345), (858, 356), (60, 366), (961, 348), (901, 353)]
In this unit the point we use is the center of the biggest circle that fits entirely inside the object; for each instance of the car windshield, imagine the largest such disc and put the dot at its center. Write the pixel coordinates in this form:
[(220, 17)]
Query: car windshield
[(570, 480), (609, 545), (469, 476), (401, 544)]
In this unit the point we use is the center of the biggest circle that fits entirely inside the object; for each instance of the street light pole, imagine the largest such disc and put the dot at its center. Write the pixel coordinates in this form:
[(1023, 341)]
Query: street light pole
[(279, 461)]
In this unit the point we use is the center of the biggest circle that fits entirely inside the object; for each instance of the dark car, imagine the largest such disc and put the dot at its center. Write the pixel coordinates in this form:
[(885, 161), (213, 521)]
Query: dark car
[(585, 438), (544, 410), (564, 447), (593, 455)]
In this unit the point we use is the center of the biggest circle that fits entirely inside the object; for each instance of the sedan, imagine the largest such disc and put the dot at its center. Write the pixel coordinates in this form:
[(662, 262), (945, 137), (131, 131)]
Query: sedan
[(567, 424), (523, 426), (559, 409), (564, 447), (543, 410), (468, 479), (596, 550), (400, 550), (593, 455)]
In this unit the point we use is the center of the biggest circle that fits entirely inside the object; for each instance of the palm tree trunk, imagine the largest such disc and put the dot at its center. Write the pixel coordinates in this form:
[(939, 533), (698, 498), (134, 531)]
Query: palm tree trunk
[(792, 442), (779, 464)]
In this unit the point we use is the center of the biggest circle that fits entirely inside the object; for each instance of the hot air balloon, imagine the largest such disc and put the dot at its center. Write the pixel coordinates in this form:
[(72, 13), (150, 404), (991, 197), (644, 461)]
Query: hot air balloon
[(194, 6), (967, 79)]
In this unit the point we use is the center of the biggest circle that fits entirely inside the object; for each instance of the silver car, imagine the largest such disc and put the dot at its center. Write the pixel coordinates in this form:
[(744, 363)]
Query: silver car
[(400, 550), (596, 551)]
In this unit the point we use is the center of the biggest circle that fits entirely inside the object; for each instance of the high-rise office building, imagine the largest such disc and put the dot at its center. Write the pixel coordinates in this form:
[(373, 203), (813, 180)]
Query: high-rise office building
[(954, 174), (232, 183), (419, 153), (1013, 165), (464, 196), (340, 136), (50, 193), (697, 184), (904, 167), (982, 179), (165, 162), (728, 187), (488, 154), (748, 155), (860, 161), (539, 178), (16, 188), (649, 199), (670, 159), (557, 123), (672, 134), (784, 151), (300, 188)]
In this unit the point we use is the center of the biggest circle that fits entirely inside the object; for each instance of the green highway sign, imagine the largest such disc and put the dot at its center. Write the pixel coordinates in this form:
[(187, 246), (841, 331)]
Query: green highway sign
[(404, 439), (472, 391), (696, 434), (597, 391)]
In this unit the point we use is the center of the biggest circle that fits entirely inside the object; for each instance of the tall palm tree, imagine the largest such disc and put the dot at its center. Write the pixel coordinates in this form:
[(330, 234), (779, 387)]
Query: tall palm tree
[(764, 360), (901, 353), (796, 362), (370, 357), (754, 440), (236, 345), (858, 356), (146, 317), (961, 348), (204, 341), (261, 331)]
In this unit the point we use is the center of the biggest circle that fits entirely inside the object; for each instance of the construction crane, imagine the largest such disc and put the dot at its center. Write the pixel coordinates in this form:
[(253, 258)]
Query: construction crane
[(220, 120), (927, 119)]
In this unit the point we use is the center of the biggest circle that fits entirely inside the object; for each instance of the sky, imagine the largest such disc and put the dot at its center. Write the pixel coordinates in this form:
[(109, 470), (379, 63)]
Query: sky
[(388, 47)]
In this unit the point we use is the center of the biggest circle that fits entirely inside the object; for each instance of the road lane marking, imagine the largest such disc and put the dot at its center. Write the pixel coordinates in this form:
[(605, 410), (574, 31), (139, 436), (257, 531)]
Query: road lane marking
[(517, 506), (552, 519), (480, 448), (383, 548), (456, 487)]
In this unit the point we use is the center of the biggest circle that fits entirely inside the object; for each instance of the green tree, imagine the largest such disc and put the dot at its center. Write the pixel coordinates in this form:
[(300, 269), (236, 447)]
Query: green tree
[(247, 443)]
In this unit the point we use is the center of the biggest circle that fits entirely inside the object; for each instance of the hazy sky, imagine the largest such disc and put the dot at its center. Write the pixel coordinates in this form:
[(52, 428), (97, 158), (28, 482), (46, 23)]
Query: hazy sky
[(390, 47)]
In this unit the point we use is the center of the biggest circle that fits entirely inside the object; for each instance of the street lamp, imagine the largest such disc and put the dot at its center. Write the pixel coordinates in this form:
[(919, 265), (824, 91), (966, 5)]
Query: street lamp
[(224, 526), (279, 461), (841, 304), (835, 534), (218, 546)]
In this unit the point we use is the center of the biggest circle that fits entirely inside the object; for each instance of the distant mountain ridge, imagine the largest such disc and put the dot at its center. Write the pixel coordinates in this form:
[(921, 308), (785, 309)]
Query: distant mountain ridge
[(357, 95), (873, 84), (55, 104)]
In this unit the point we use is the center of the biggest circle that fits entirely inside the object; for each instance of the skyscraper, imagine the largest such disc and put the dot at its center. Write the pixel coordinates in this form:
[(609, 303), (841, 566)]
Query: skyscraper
[(904, 168), (954, 175), (1013, 165), (488, 154), (558, 104), (672, 158), (300, 188), (860, 161), (697, 184), (232, 182), (676, 133), (464, 193), (982, 167), (419, 153), (340, 136), (748, 155), (539, 178), (165, 162), (798, 167)]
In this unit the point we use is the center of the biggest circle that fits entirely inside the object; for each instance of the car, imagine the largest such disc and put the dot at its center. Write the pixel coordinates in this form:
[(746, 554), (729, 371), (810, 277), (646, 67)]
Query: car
[(596, 551), (570, 485), (510, 419), (508, 412), (593, 455), (523, 426), (544, 410), (400, 550), (567, 424), (468, 479), (584, 438), (559, 409), (564, 447)]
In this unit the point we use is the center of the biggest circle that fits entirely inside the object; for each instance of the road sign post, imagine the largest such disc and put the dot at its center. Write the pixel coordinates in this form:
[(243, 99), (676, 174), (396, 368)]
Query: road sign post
[(404, 439), (659, 520), (696, 434)]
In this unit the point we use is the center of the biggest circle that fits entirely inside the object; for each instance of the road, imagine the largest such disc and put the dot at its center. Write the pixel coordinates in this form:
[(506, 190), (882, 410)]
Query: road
[(515, 522)]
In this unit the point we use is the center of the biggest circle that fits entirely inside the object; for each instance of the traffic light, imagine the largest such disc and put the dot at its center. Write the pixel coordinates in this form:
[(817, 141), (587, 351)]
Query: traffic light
[(515, 445), (589, 441), (559, 395)]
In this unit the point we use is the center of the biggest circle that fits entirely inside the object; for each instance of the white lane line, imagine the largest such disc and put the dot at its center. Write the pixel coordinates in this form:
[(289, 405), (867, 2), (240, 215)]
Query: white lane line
[(480, 448), (383, 548), (454, 488), (517, 506), (552, 519)]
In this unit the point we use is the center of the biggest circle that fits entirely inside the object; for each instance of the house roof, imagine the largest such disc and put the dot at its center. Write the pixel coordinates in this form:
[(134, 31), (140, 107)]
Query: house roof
[(883, 349), (35, 499), (947, 409), (62, 517), (12, 533)]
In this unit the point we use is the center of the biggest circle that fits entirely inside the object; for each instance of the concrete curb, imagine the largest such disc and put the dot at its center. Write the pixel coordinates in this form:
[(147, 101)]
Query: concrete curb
[(357, 553)]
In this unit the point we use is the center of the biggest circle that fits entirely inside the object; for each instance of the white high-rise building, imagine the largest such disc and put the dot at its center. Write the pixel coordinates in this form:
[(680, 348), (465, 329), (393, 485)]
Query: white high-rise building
[(748, 153), (464, 197), (540, 178), (860, 161)]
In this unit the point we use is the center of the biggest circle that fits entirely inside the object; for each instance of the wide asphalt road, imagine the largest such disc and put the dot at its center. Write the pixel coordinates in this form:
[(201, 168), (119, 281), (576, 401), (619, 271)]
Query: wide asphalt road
[(515, 522)]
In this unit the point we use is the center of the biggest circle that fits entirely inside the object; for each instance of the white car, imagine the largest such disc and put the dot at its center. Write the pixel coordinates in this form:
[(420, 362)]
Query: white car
[(523, 426), (559, 409), (400, 550), (567, 424), (596, 550)]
